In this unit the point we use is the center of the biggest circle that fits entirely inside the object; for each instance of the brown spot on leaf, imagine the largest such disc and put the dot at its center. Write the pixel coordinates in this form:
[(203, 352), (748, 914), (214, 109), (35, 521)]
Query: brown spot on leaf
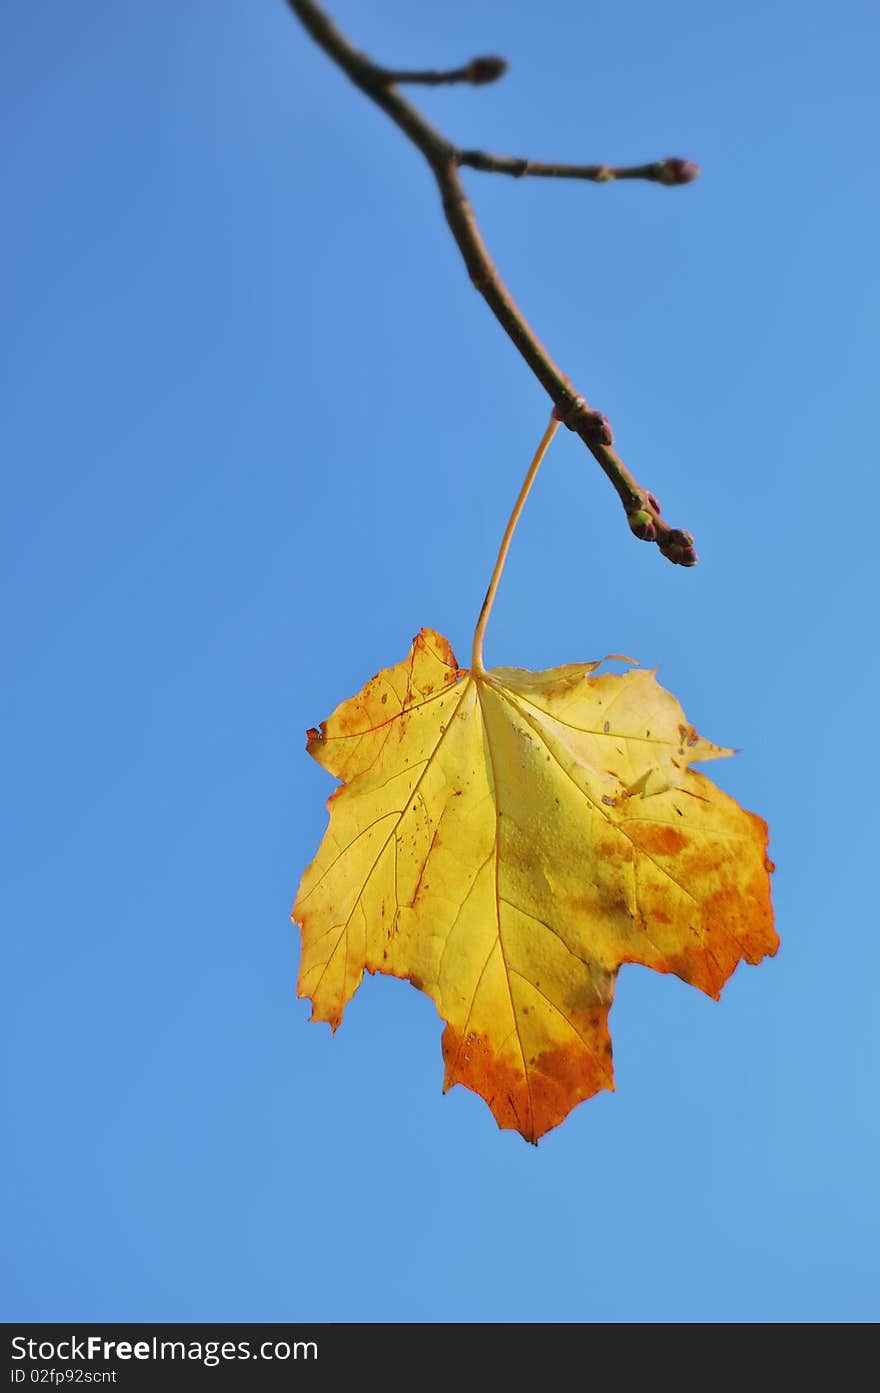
[(659, 916), (660, 840)]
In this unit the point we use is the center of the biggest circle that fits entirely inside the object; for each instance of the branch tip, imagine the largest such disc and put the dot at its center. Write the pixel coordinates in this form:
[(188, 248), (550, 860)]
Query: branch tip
[(673, 171), (678, 547), (486, 69)]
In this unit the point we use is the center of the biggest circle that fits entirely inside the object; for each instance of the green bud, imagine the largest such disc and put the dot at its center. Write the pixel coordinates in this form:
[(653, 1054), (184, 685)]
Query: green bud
[(641, 525)]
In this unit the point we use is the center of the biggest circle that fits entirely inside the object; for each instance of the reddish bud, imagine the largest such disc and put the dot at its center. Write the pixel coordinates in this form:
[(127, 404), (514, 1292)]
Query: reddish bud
[(591, 425), (675, 171), (489, 69), (599, 429), (678, 547)]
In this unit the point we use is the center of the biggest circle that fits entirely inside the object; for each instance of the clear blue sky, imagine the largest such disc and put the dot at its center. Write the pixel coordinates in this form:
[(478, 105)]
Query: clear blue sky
[(257, 429)]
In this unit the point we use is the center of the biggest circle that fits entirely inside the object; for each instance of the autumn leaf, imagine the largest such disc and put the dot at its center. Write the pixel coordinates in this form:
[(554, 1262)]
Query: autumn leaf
[(505, 840)]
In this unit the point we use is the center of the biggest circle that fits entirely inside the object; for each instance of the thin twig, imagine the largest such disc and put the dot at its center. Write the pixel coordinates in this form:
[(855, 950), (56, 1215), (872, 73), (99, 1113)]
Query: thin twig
[(444, 158), (669, 172), (478, 72)]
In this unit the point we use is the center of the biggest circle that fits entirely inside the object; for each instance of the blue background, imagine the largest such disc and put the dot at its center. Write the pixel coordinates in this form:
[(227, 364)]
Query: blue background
[(257, 430)]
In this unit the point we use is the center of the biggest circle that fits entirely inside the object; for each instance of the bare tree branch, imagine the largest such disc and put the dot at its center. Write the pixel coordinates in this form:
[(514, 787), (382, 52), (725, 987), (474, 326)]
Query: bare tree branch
[(380, 85)]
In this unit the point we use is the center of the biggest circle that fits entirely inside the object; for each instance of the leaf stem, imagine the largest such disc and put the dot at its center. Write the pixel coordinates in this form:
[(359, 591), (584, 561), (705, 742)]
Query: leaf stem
[(479, 632)]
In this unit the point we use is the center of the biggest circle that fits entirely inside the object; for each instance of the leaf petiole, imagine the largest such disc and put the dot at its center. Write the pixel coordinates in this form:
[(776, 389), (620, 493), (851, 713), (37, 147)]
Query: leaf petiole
[(479, 632)]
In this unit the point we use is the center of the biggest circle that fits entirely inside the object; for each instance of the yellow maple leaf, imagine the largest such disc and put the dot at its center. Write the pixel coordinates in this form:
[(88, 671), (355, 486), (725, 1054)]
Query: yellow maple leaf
[(505, 840)]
